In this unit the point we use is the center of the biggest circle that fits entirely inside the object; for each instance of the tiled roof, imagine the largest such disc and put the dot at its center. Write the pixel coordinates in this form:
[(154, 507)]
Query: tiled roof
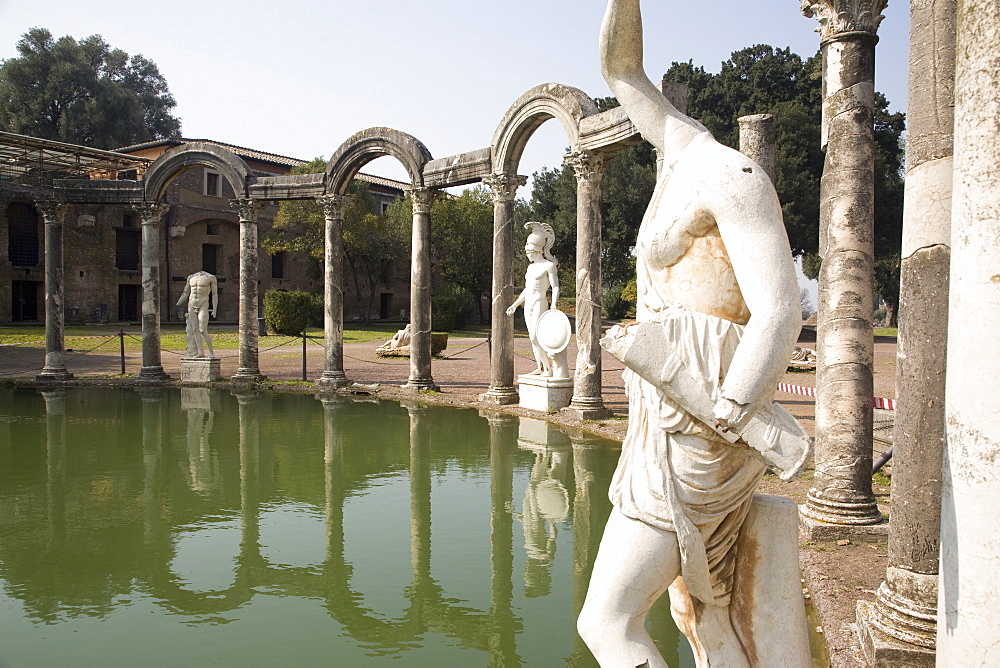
[(381, 181)]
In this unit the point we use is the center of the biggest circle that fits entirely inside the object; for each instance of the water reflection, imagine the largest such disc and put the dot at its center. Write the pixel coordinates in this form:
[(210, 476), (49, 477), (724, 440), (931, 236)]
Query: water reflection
[(169, 516)]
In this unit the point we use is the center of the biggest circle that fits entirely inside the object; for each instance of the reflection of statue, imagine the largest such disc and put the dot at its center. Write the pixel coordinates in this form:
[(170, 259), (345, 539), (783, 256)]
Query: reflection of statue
[(715, 279), (546, 503), (197, 289), (540, 276)]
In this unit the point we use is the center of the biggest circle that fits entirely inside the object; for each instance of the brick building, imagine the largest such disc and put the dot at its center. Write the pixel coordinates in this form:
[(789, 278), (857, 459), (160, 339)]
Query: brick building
[(102, 242)]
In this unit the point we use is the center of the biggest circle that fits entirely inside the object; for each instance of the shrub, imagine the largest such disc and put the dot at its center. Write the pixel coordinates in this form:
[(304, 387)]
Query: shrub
[(288, 312), (612, 303), (451, 308)]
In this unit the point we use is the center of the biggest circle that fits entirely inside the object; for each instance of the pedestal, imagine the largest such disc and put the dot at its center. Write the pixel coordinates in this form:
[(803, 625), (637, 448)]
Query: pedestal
[(545, 394), (201, 369)]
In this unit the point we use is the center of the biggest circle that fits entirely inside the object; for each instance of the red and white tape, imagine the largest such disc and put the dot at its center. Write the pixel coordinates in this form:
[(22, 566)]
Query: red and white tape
[(877, 402)]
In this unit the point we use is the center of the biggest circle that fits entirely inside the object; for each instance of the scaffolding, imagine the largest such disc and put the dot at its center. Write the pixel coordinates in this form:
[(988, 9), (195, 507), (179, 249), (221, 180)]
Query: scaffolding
[(30, 161)]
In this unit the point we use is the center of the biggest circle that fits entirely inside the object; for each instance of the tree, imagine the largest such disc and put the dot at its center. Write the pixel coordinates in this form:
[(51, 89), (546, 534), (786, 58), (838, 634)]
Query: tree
[(462, 242), (84, 93), (373, 243)]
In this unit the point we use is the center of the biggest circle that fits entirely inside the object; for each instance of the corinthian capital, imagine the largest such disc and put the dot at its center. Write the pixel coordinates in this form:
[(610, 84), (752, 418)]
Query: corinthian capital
[(52, 212), (248, 209), (333, 205), (504, 186), (840, 16), (422, 199), (587, 165), (150, 213)]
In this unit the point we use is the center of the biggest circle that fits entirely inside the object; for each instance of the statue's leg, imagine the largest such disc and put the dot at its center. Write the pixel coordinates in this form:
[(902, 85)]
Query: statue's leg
[(203, 328), (634, 566)]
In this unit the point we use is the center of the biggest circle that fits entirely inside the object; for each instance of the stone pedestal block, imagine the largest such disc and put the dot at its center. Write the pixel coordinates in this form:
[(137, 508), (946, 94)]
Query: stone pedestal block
[(818, 530), (767, 609), (201, 369), (544, 394), (882, 650)]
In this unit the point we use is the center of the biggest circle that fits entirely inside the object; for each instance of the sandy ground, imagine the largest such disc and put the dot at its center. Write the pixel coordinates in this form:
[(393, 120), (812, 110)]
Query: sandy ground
[(835, 576)]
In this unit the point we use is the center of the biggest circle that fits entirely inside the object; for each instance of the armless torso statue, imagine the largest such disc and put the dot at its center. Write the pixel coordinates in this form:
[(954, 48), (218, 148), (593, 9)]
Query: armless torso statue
[(715, 270), (200, 286)]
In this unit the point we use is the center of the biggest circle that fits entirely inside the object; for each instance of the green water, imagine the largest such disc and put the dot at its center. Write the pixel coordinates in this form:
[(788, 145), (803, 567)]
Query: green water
[(195, 527)]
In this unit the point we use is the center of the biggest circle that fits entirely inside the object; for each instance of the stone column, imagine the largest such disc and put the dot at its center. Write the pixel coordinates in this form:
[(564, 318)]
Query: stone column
[(55, 315), (249, 368), (333, 291), (757, 139), (970, 534), (150, 214), (841, 494), (901, 625), (587, 403), (420, 292), (502, 389)]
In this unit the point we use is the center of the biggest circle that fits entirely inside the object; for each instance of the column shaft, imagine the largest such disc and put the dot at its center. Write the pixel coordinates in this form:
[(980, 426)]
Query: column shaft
[(150, 214), (587, 403), (420, 292), (502, 389), (970, 535), (55, 318), (249, 365), (757, 138), (333, 291)]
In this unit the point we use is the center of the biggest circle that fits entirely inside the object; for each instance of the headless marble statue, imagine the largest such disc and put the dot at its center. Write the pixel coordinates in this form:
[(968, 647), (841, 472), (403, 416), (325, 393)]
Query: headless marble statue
[(714, 269), (197, 290)]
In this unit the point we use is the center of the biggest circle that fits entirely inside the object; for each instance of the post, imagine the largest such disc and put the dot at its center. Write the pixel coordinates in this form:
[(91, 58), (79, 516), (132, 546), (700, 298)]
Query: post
[(587, 403), (304, 337), (841, 498), (121, 345), (249, 366), (902, 623), (970, 535), (502, 390), (420, 292), (55, 317), (150, 214), (333, 291)]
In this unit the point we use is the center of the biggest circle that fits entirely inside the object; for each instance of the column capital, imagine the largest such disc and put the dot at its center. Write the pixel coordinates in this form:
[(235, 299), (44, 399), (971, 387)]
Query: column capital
[(844, 16), (422, 198), (150, 213), (248, 209), (333, 205), (52, 212), (588, 166), (504, 186)]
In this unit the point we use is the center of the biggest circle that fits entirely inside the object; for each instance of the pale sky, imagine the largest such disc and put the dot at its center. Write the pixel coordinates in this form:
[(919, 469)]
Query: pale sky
[(299, 77)]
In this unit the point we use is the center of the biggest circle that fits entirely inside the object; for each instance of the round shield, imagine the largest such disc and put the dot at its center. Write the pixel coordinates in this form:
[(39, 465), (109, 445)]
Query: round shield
[(553, 331)]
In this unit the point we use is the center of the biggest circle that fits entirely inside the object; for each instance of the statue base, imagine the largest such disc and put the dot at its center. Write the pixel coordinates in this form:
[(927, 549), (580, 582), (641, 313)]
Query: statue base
[(541, 393), (201, 369)]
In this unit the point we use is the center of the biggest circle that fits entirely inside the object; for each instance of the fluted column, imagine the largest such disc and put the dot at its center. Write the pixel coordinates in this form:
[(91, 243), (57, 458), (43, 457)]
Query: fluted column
[(902, 621), (587, 402), (333, 291), (969, 588), (55, 315), (841, 493), (757, 141), (502, 390), (249, 365), (420, 291), (150, 214)]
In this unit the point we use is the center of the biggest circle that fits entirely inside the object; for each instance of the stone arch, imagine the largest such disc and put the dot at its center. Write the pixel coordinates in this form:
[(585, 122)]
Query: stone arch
[(566, 104), (365, 146), (196, 154)]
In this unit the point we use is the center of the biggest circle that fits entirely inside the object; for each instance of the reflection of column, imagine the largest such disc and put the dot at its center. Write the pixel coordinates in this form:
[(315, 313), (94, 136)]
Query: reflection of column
[(504, 188), (757, 140), (55, 315), (906, 605), (333, 459), (420, 496), (841, 492), (249, 477), (150, 214), (152, 447), (249, 368), (55, 448), (420, 291), (502, 641), (970, 535), (587, 403), (333, 290)]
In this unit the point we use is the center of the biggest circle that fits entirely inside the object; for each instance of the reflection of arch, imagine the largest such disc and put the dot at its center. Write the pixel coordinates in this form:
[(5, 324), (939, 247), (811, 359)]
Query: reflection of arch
[(567, 104), (365, 146), (196, 154)]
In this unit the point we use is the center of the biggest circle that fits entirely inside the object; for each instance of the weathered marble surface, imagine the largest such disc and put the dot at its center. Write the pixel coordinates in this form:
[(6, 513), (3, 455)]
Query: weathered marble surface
[(201, 369), (199, 288)]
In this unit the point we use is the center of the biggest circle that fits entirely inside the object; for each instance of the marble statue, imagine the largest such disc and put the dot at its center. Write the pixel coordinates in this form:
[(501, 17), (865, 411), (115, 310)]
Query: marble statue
[(197, 290), (717, 319), (397, 346), (538, 279)]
